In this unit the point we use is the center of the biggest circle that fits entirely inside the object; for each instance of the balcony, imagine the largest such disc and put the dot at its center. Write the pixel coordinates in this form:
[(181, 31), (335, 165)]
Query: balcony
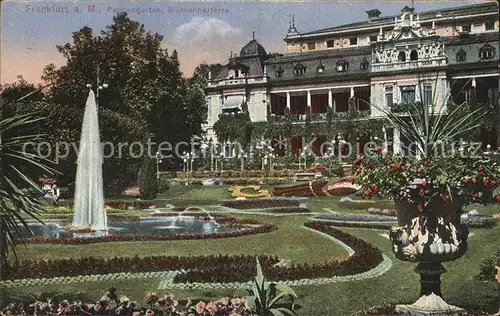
[(238, 81), (436, 62)]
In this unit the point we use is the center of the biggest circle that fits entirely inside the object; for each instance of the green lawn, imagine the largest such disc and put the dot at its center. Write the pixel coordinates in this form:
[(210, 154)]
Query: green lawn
[(399, 285), (290, 242)]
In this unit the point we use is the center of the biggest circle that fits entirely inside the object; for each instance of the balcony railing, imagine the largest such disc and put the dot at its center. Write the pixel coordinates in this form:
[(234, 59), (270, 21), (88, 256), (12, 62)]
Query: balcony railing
[(409, 64)]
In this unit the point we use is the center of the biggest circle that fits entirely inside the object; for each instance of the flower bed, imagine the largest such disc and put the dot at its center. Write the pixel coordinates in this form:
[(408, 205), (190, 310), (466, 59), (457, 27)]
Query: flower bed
[(365, 258), (232, 181), (383, 212), (155, 304), (288, 210), (261, 203), (235, 173), (374, 225), (118, 205), (479, 221), (356, 217), (95, 265)]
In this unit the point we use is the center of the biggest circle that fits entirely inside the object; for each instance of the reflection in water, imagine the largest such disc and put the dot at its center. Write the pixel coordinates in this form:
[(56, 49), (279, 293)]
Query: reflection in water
[(155, 226)]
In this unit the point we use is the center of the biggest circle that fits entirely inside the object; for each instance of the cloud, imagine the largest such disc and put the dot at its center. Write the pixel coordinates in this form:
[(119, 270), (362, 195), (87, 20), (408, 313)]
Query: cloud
[(203, 29), (205, 39)]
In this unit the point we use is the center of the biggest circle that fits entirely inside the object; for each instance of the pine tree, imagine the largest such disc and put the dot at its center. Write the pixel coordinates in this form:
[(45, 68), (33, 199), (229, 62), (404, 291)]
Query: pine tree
[(148, 185)]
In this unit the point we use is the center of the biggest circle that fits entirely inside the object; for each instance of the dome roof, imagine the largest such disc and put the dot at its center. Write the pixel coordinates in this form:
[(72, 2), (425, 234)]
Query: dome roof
[(253, 48)]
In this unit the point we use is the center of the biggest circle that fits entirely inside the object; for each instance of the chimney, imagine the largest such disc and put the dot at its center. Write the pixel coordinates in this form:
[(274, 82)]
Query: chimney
[(373, 14)]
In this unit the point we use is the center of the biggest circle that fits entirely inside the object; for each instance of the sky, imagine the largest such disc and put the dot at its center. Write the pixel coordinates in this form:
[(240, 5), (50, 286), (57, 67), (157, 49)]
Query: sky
[(29, 37)]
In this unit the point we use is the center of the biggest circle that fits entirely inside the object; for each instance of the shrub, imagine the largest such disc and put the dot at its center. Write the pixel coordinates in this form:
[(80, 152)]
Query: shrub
[(487, 270), (115, 188), (163, 184), (148, 185), (333, 166)]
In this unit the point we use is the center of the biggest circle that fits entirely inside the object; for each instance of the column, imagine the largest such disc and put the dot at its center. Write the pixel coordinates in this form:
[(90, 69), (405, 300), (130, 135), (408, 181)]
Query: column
[(330, 98), (221, 102), (288, 100), (396, 141), (308, 98), (386, 144), (352, 92)]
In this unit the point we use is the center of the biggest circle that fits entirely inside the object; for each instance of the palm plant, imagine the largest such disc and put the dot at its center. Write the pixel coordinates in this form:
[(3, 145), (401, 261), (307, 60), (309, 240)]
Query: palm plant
[(435, 126), (444, 172), (268, 298), (19, 194)]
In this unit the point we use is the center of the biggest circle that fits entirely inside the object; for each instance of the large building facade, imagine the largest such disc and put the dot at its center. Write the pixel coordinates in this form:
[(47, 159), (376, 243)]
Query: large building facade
[(384, 61)]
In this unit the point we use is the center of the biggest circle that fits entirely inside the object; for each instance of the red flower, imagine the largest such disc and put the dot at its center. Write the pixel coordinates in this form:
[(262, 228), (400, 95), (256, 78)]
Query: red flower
[(426, 162), (445, 198), (474, 180), (497, 197), (374, 187), (358, 171), (474, 196), (379, 149), (358, 161), (420, 170), (481, 168), (485, 181), (420, 208), (421, 193)]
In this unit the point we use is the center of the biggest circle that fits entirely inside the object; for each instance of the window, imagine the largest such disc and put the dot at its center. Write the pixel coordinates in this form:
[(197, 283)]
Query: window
[(342, 65), (364, 64), (402, 56), (279, 72), (353, 41), (489, 25), (311, 46), (408, 94), (329, 44), (413, 55), (466, 28), (427, 98), (407, 20), (373, 38), (321, 68), (461, 55), (389, 96), (487, 52), (299, 69)]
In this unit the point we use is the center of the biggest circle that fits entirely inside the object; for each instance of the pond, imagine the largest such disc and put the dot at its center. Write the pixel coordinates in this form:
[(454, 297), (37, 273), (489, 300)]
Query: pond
[(150, 225)]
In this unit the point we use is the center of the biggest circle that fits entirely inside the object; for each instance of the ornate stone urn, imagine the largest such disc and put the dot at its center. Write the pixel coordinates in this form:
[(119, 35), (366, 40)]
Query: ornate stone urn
[(430, 237)]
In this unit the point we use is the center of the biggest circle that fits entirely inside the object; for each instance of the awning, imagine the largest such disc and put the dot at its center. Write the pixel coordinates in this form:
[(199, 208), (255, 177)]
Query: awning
[(232, 103)]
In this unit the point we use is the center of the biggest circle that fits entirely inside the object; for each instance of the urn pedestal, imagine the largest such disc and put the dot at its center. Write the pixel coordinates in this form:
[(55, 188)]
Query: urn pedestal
[(430, 237)]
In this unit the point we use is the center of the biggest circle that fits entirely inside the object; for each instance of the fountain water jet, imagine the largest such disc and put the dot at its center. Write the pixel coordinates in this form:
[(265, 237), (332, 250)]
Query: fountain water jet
[(200, 209), (89, 196)]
